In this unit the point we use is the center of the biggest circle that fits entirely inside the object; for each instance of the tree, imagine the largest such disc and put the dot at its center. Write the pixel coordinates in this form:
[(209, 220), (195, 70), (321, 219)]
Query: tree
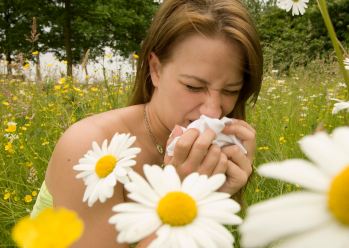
[(14, 23), (92, 25)]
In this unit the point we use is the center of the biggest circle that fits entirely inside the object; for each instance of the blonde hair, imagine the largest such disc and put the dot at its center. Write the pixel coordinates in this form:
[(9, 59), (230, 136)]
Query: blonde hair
[(177, 19)]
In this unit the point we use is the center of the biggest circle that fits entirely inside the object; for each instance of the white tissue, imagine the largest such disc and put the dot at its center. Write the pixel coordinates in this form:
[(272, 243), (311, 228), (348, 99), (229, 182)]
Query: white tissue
[(217, 125)]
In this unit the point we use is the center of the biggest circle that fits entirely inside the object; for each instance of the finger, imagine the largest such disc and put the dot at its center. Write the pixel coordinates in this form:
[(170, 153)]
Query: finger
[(184, 145), (211, 160), (240, 131), (222, 164), (236, 179), (176, 132), (201, 147), (247, 138), (242, 123), (235, 155)]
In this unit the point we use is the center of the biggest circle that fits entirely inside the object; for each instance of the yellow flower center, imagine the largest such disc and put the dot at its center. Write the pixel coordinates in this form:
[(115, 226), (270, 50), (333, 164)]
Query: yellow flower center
[(338, 196), (177, 209), (105, 165)]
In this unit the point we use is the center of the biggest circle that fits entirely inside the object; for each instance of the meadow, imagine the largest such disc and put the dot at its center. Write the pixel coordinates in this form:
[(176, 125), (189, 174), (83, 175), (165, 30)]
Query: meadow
[(290, 106)]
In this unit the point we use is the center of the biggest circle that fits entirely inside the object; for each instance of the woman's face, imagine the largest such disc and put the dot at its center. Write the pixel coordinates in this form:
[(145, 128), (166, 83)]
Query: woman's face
[(203, 76)]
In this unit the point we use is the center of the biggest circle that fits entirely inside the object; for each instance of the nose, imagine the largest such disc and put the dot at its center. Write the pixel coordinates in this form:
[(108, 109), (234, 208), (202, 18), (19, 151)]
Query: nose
[(212, 105)]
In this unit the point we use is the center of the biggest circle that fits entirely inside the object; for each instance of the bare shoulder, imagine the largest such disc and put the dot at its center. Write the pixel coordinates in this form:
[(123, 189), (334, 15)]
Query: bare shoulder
[(68, 191), (78, 138)]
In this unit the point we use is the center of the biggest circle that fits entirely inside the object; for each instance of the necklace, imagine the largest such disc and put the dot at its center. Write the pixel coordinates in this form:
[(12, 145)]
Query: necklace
[(158, 146)]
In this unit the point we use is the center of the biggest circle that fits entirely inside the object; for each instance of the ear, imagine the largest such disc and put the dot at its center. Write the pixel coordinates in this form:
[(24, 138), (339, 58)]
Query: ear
[(155, 69)]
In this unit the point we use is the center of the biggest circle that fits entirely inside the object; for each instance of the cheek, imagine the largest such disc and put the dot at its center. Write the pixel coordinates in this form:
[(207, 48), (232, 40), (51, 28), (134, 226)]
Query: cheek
[(180, 98), (228, 104)]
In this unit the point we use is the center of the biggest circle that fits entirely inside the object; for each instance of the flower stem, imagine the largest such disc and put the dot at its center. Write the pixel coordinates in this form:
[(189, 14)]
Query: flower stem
[(324, 12)]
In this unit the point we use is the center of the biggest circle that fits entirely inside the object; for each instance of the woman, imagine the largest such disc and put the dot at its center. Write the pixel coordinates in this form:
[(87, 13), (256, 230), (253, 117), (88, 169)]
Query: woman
[(199, 57)]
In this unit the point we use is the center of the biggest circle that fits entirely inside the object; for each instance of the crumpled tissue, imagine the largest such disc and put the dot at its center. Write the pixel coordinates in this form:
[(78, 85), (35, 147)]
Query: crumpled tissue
[(217, 125)]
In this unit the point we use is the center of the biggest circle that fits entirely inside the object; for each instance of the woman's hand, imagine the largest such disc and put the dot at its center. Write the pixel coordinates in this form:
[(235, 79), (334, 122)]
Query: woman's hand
[(239, 165), (195, 152)]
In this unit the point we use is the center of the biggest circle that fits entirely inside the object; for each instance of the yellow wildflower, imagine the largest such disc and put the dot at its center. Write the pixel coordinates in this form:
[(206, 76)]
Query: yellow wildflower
[(64, 62), (7, 195), (51, 228), (26, 66), (35, 53), (282, 140), (9, 148), (28, 198), (5, 103), (57, 87), (45, 143), (263, 148), (11, 127), (29, 164), (34, 193), (62, 80), (14, 98), (135, 56), (94, 89), (76, 89), (49, 65)]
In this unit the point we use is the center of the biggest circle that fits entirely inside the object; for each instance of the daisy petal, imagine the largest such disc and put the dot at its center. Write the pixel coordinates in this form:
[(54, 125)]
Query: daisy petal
[(215, 196), (324, 152), (163, 234), (341, 137), (185, 238), (296, 171), (283, 216), (328, 235)]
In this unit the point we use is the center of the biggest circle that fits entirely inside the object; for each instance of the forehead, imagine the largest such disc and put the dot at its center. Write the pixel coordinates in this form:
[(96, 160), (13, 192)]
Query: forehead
[(209, 58)]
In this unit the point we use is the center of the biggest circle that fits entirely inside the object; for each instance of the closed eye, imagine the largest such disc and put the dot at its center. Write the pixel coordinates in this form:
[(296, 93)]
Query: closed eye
[(231, 92), (194, 89)]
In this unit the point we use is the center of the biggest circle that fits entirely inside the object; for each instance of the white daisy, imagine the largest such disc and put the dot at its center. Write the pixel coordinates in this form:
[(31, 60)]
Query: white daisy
[(297, 6), (102, 167), (183, 214), (339, 105), (317, 217)]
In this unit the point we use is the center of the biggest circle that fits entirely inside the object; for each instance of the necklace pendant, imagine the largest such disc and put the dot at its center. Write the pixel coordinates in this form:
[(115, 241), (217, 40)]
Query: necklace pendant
[(160, 149)]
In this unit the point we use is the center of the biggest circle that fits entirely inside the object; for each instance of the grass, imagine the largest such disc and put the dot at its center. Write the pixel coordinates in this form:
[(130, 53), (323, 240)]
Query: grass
[(289, 107)]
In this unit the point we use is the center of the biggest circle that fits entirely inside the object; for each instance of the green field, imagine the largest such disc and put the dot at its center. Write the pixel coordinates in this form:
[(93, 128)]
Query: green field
[(289, 107)]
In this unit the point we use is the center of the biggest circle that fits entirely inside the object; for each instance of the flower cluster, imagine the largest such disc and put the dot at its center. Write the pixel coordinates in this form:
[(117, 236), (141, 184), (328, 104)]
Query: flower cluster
[(183, 214)]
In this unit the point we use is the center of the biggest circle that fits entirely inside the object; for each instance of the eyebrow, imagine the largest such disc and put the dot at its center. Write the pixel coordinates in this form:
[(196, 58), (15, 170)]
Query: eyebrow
[(237, 83)]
